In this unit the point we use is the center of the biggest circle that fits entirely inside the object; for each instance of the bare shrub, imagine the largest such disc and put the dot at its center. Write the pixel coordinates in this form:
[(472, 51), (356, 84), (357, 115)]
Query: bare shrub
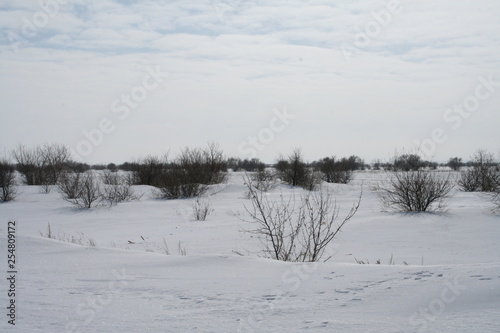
[(292, 231), (176, 184), (28, 164), (455, 163), (149, 171), (408, 162), (335, 171), (117, 187), (120, 192), (237, 164), (482, 175), (192, 172), (295, 172), (313, 180), (496, 201), (201, 209), (69, 185), (8, 190), (46, 188), (129, 178), (264, 180), (109, 177), (81, 189), (203, 166), (415, 191), (43, 164)]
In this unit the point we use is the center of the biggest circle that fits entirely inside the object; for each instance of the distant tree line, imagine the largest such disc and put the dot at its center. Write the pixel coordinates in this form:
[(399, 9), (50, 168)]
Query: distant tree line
[(195, 169)]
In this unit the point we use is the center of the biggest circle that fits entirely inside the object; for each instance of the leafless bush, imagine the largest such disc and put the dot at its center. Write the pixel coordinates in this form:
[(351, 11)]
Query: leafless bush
[(237, 164), (117, 188), (296, 231), (415, 191), (69, 185), (264, 180), (175, 184), (496, 201), (8, 190), (120, 192), (203, 166), (335, 171), (43, 164), (81, 189), (295, 172), (129, 178), (46, 188), (201, 209), (313, 180), (109, 177), (482, 175), (192, 172), (149, 171)]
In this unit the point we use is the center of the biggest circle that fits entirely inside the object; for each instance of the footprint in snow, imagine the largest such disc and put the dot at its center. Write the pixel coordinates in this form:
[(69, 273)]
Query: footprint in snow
[(342, 291), (482, 278), (269, 297)]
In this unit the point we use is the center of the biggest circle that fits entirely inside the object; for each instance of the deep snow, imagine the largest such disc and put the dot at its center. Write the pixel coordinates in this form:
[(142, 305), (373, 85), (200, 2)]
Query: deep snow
[(446, 276)]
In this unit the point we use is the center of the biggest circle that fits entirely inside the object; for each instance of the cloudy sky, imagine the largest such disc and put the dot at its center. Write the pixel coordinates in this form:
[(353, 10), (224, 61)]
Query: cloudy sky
[(117, 80)]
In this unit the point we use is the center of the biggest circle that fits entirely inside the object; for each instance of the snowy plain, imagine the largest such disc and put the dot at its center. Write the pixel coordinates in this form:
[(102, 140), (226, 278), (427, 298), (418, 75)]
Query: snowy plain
[(438, 272)]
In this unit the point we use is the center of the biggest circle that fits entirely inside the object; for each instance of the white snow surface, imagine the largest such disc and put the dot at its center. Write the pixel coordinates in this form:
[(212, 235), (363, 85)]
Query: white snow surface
[(444, 276)]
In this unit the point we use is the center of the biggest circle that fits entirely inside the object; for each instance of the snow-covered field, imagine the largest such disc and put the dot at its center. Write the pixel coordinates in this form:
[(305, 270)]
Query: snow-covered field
[(445, 275)]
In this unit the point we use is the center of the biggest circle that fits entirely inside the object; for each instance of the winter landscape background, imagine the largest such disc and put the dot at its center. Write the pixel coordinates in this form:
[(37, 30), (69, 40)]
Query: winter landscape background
[(133, 83)]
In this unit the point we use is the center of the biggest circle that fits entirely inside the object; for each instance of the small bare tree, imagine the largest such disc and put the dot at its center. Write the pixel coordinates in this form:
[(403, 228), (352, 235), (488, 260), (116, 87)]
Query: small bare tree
[(415, 191), (117, 188), (482, 175), (334, 170), (191, 173), (175, 184), (149, 171), (109, 177), (293, 171), (82, 190), (43, 164), (69, 185), (296, 231), (264, 180), (8, 190), (117, 193)]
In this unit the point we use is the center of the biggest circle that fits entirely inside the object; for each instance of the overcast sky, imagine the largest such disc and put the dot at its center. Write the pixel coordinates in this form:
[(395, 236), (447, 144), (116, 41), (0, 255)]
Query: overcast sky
[(117, 80)]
